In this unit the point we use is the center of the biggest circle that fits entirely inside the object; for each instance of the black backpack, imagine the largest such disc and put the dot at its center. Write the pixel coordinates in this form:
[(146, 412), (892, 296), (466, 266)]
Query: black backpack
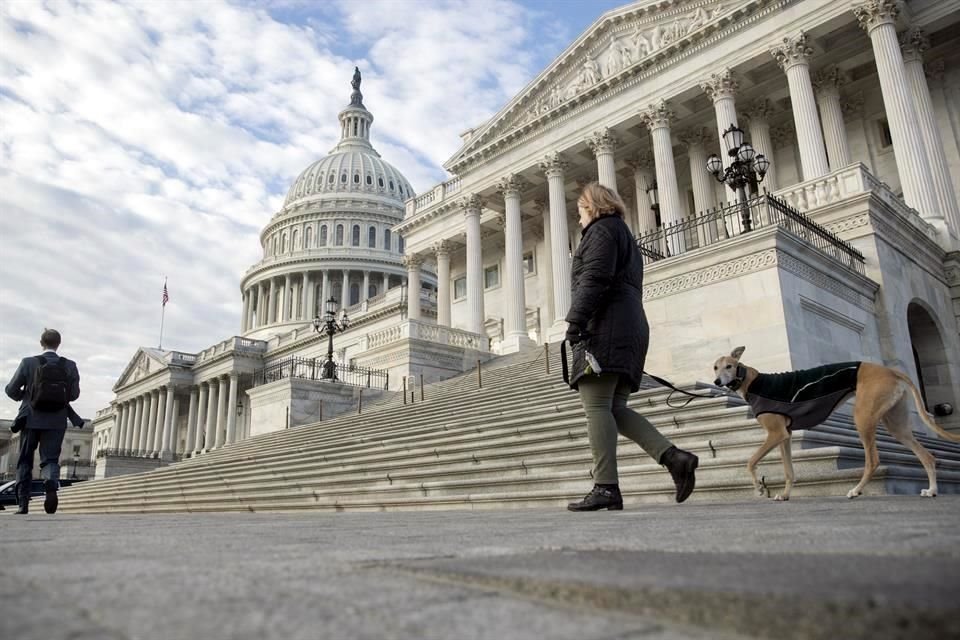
[(51, 383)]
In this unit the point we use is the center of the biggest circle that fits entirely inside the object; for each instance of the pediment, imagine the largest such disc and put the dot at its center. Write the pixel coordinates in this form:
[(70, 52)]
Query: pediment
[(144, 362), (620, 42)]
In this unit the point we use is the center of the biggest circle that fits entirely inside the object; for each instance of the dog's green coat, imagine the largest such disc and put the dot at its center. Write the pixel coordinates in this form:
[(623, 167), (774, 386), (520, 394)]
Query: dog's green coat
[(807, 397)]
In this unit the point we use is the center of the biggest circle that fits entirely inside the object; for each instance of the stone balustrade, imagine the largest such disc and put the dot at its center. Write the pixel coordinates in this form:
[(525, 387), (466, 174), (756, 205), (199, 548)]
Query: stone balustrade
[(435, 195), (417, 330)]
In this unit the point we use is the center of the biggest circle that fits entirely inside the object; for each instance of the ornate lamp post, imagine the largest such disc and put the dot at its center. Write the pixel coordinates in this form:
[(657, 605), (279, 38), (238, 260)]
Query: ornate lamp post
[(76, 459), (654, 202), (330, 326), (747, 165)]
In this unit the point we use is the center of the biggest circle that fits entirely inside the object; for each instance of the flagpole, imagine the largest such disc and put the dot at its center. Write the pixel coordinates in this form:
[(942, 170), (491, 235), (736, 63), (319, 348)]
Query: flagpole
[(163, 311)]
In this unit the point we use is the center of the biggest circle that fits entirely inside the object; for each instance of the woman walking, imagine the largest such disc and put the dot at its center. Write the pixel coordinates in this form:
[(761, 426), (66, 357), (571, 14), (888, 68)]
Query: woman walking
[(609, 335)]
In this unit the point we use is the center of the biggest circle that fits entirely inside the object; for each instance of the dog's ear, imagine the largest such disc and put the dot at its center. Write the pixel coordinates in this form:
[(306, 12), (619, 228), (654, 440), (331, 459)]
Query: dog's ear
[(736, 353)]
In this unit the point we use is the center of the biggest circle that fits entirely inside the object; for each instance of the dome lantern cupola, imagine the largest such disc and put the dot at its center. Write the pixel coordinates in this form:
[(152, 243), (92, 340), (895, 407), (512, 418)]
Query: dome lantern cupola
[(355, 120)]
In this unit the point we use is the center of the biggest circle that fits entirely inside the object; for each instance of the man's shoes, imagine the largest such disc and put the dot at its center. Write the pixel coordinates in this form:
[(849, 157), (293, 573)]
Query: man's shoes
[(608, 498), (23, 506), (51, 502), (681, 465)]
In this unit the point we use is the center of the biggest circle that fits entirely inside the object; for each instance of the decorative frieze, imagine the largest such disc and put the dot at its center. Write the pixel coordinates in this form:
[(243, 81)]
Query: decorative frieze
[(721, 85), (793, 51)]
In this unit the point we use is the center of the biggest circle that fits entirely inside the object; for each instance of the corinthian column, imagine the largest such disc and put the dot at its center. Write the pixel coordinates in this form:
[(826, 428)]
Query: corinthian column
[(149, 422), (442, 251), (722, 89), (412, 262), (191, 421), (554, 166), (603, 143), (827, 85), (643, 171), (704, 194), (915, 43), (221, 412), (245, 296), (657, 119), (345, 289), (545, 271), (169, 416), (793, 56), (203, 410), (232, 410), (471, 213), (516, 316), (758, 118), (156, 433), (210, 437)]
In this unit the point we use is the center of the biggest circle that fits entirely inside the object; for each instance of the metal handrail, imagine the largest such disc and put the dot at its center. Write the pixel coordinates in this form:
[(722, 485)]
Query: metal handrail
[(321, 370)]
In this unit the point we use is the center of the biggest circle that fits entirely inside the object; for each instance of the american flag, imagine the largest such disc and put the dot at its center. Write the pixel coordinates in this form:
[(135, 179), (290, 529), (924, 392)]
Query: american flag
[(166, 296)]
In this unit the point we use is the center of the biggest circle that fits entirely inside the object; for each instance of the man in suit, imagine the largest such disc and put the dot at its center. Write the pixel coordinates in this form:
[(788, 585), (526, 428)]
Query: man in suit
[(44, 423)]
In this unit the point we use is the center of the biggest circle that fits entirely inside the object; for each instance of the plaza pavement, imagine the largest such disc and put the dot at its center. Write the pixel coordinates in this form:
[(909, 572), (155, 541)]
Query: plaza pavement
[(875, 567)]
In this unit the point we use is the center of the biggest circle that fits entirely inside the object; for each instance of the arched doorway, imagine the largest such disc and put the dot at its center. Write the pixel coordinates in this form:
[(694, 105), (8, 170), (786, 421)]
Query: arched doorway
[(930, 357)]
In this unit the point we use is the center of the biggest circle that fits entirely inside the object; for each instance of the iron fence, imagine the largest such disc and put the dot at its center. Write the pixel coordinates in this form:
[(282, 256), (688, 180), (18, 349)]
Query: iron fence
[(721, 224), (323, 370)]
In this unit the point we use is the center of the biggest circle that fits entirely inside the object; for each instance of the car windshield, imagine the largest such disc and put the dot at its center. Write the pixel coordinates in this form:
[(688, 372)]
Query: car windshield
[(7, 486)]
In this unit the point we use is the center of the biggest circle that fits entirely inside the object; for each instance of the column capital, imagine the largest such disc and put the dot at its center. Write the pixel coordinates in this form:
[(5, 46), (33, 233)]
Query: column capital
[(511, 185), (602, 141), (760, 111), (783, 135), (793, 51), (827, 82), (471, 204), (698, 136), (657, 116), (720, 85), (914, 43), (441, 248), (874, 13), (412, 261), (852, 106), (641, 161), (554, 164)]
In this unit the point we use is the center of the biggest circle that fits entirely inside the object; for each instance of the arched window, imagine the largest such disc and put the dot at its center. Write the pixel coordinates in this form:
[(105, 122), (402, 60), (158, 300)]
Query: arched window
[(338, 240), (369, 181), (273, 251), (400, 187), (354, 293), (331, 178), (283, 244), (323, 236), (372, 291), (308, 237), (356, 178), (386, 239), (380, 182), (355, 236), (343, 178), (294, 239), (372, 237), (391, 185), (400, 244)]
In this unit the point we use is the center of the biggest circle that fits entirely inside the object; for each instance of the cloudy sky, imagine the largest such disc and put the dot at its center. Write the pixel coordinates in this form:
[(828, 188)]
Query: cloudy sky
[(152, 139)]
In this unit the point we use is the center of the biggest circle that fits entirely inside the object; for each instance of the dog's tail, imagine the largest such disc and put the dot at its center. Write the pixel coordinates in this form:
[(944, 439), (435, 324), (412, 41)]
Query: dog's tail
[(918, 401)]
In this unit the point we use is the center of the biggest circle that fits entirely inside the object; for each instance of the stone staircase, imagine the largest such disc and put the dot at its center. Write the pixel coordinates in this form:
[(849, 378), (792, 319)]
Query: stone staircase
[(519, 441)]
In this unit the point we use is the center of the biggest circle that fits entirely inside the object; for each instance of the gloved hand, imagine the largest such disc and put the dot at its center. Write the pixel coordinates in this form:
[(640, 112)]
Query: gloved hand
[(573, 335)]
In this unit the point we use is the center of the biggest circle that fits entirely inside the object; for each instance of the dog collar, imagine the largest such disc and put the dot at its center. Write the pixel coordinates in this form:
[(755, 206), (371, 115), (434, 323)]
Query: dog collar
[(734, 384)]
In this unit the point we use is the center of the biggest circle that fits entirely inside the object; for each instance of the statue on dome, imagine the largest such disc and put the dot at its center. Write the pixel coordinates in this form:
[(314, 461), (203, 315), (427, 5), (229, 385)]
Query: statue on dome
[(355, 83), (356, 98)]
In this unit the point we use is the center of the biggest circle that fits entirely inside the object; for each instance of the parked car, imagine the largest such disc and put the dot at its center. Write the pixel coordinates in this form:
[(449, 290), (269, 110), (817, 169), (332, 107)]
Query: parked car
[(8, 491)]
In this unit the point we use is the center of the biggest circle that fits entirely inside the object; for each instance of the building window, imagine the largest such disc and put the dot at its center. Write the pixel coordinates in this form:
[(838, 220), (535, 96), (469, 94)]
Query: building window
[(343, 178), (331, 179), (76, 450), (372, 291), (391, 185), (372, 237), (356, 178), (369, 181), (355, 236), (886, 139), (283, 244), (380, 182), (386, 239), (354, 294), (491, 276), (295, 238), (460, 288), (529, 264), (338, 240), (323, 236), (400, 244), (308, 237)]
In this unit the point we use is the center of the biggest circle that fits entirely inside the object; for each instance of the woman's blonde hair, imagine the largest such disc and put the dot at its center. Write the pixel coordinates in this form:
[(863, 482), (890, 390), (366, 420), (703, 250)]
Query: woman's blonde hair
[(599, 200)]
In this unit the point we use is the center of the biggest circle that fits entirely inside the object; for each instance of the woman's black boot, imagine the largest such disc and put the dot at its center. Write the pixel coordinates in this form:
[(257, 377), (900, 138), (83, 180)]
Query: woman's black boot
[(681, 465)]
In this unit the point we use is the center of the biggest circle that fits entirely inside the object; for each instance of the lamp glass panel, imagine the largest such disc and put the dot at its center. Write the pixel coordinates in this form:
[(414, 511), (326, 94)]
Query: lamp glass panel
[(733, 137), (714, 164), (746, 152), (761, 164)]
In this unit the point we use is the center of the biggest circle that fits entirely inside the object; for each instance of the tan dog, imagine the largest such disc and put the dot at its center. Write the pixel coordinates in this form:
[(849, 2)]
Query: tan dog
[(880, 395)]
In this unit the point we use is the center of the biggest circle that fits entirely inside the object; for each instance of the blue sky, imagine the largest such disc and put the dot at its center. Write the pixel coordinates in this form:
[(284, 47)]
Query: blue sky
[(147, 139)]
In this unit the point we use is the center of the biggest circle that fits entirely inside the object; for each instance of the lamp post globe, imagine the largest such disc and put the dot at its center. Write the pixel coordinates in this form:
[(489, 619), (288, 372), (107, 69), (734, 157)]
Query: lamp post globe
[(746, 166)]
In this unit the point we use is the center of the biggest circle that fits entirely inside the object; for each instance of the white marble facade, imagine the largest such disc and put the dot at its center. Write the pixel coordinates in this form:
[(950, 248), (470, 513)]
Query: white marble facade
[(856, 103)]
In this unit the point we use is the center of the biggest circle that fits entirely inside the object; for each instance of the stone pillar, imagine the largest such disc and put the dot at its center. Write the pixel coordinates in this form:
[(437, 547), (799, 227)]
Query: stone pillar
[(118, 413), (168, 419), (365, 292), (704, 194), (262, 304), (285, 299), (128, 423), (826, 86), (915, 43), (516, 335), (412, 262), (442, 251), (210, 437), (758, 117), (232, 410), (149, 422), (657, 119), (546, 271), (324, 291), (191, 421), (310, 305), (386, 282), (156, 431), (221, 412), (303, 307), (345, 290), (877, 17), (554, 165), (203, 411), (132, 435), (246, 310), (603, 143), (643, 172), (721, 88), (793, 56), (174, 431), (471, 211), (272, 307)]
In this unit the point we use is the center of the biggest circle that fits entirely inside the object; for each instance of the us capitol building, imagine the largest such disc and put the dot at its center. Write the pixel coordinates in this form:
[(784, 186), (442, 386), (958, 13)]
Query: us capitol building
[(847, 249)]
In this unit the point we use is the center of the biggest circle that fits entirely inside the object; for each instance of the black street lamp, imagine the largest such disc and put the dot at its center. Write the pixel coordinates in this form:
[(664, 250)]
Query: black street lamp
[(747, 165), (76, 459), (330, 326), (654, 202)]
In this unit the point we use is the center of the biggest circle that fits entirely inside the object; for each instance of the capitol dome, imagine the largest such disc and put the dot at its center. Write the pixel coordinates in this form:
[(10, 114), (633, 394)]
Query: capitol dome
[(333, 237)]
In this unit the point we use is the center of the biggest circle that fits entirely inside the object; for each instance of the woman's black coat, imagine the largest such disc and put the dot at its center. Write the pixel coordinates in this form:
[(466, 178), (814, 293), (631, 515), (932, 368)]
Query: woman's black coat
[(607, 305)]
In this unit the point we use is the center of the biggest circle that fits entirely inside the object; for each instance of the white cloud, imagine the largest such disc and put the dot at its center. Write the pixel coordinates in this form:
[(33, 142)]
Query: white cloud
[(145, 140)]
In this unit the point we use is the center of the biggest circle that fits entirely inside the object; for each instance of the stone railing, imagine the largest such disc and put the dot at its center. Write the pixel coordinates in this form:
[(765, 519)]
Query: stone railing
[(236, 343), (329, 252), (847, 182), (437, 194), (178, 357), (429, 332)]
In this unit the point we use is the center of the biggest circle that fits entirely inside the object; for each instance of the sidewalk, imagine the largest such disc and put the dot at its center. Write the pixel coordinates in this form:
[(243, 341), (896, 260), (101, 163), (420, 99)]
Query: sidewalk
[(875, 567)]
